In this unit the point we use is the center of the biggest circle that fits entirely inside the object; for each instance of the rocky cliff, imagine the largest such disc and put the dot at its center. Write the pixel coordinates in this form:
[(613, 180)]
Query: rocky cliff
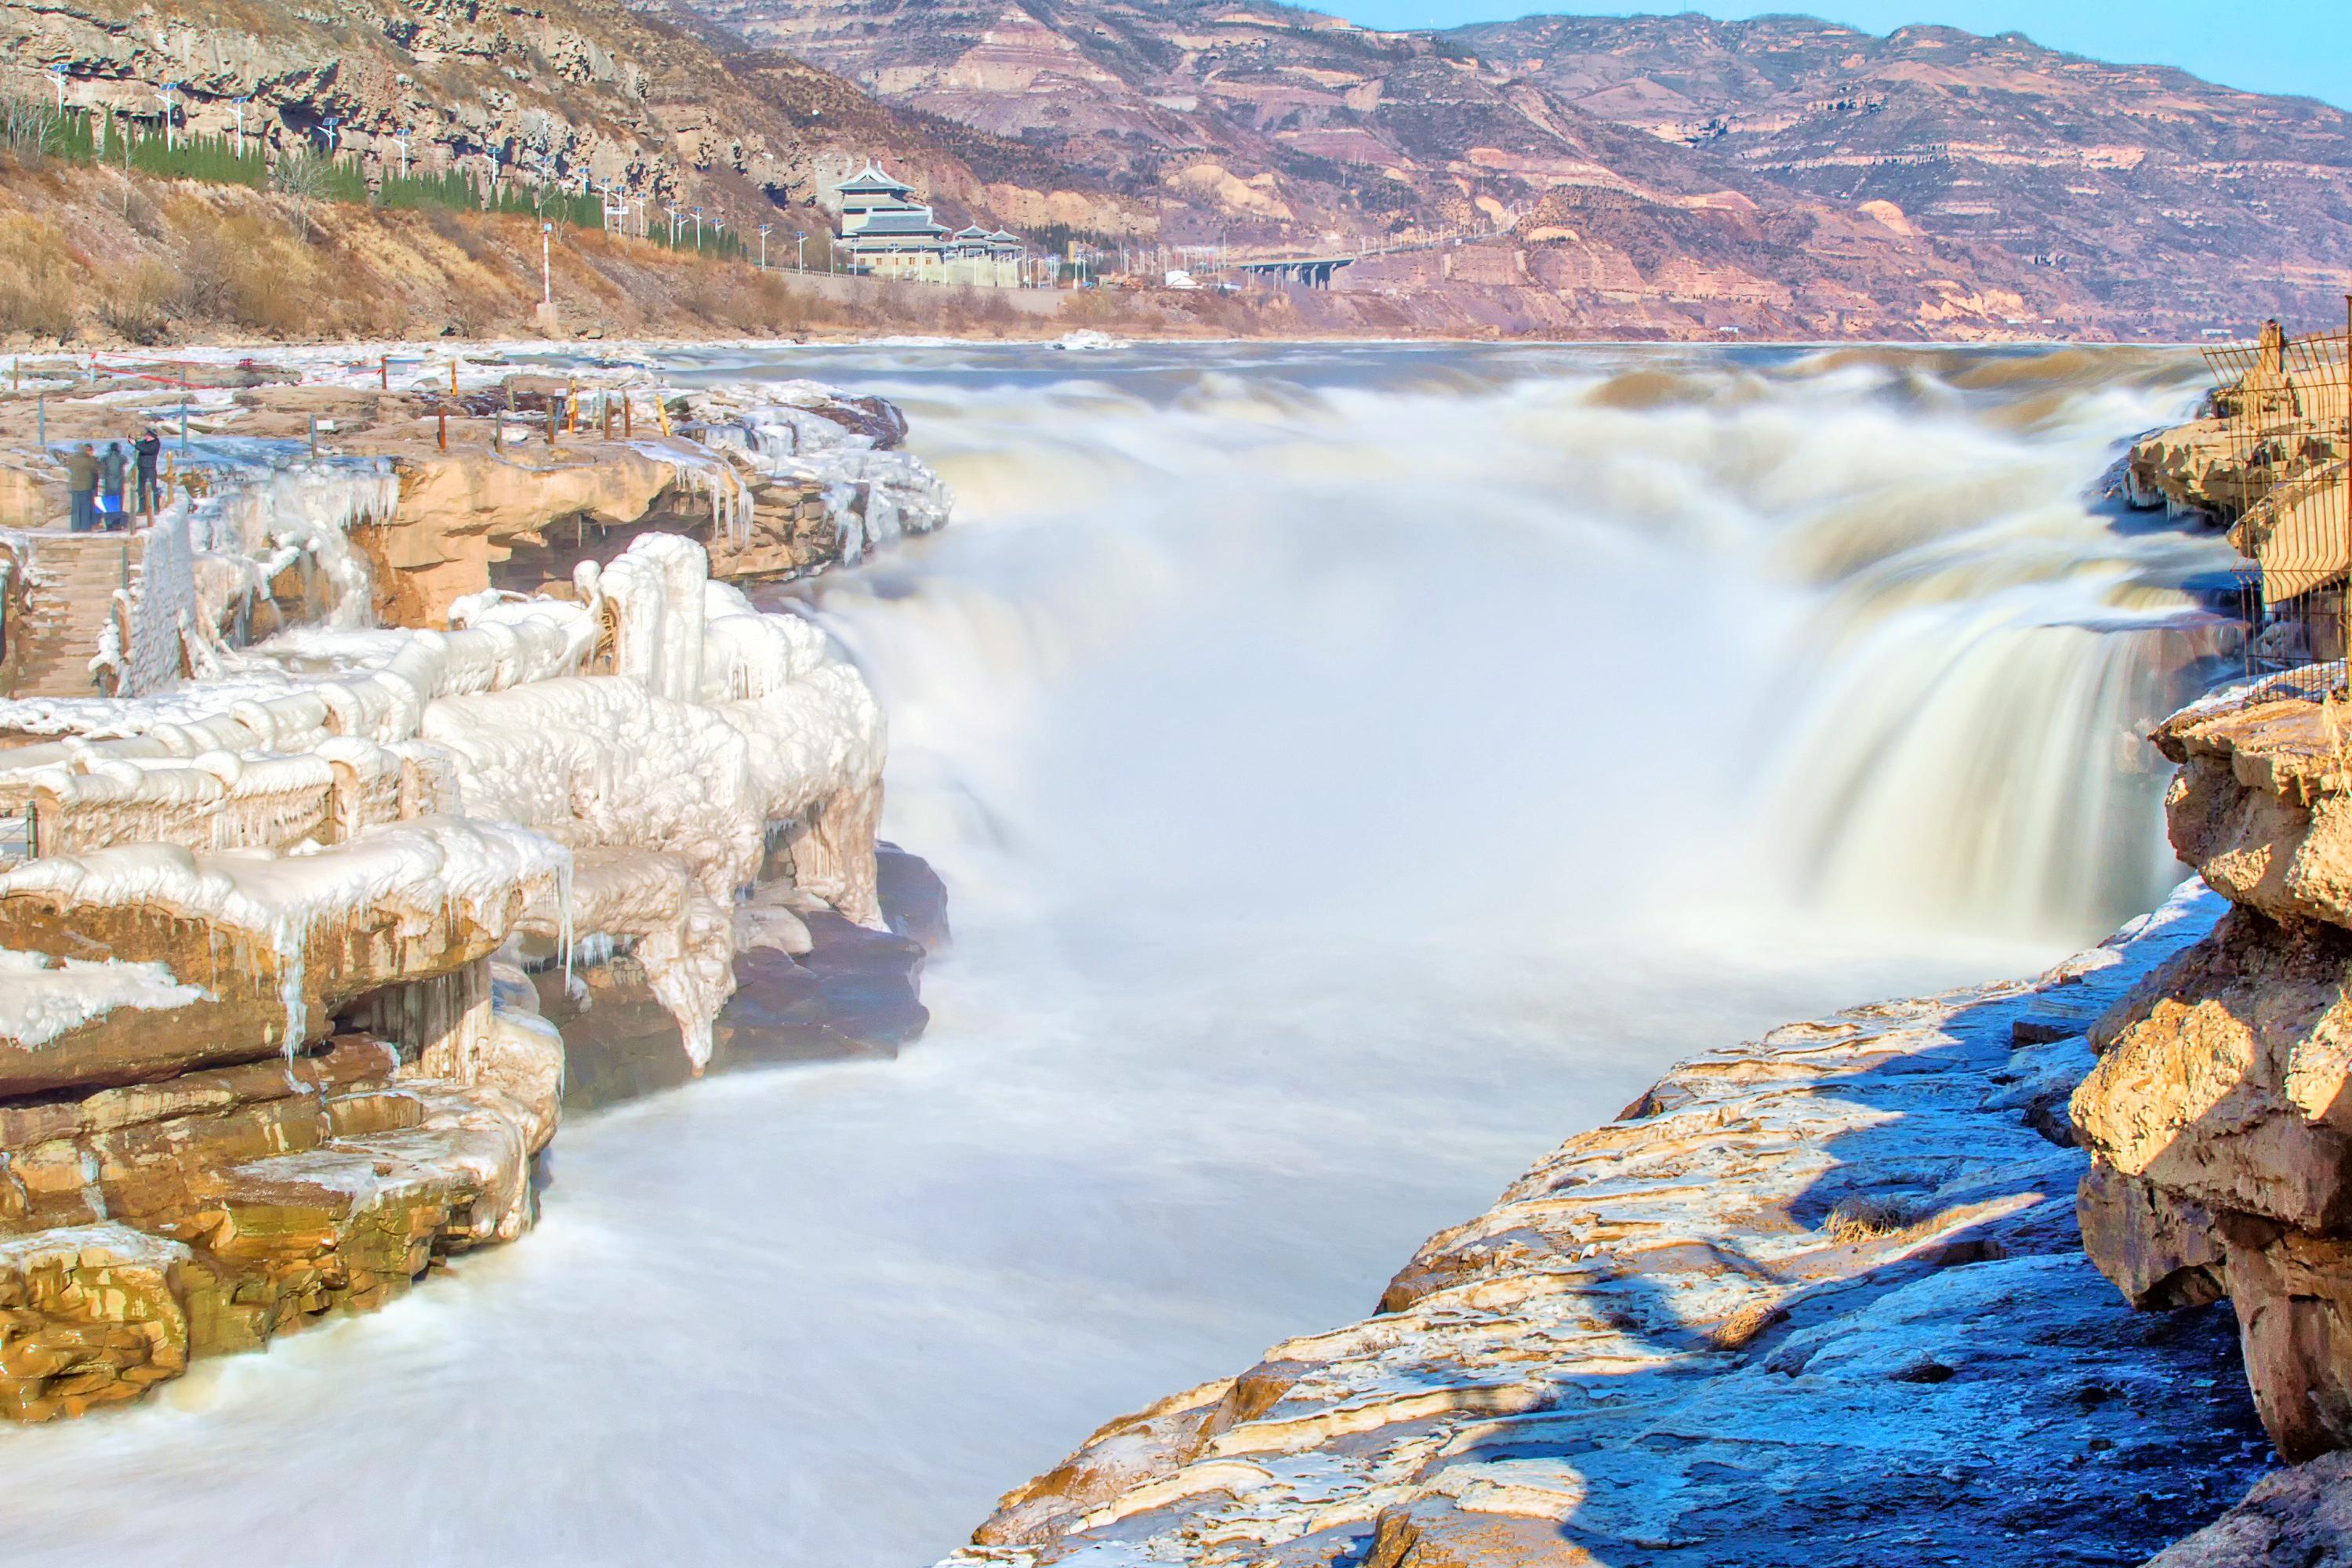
[(1818, 1299), (569, 92), (2218, 1115)]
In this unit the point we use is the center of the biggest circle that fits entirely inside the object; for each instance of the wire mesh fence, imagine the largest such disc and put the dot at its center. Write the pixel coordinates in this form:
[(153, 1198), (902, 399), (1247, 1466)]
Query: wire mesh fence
[(2283, 483)]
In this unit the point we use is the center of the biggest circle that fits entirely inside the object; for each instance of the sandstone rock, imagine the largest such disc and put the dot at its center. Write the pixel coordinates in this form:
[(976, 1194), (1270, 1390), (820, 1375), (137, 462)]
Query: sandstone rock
[(89, 1315), (2300, 1516), (1816, 1300), (2193, 468), (2225, 1079), (2220, 1115)]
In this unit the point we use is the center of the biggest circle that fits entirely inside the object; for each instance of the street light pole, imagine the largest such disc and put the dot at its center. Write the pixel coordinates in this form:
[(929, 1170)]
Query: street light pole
[(763, 246), (802, 241), (546, 266), (58, 75)]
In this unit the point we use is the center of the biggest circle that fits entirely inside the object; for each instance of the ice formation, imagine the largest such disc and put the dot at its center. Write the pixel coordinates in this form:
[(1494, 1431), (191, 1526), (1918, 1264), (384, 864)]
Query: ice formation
[(463, 770), (42, 998), (796, 430)]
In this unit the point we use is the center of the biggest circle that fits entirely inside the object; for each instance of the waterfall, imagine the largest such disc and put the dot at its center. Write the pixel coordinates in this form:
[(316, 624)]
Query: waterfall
[(1355, 768)]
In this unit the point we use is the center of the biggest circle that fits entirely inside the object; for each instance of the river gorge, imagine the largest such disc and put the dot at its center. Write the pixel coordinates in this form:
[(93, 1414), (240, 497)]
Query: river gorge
[(1353, 769)]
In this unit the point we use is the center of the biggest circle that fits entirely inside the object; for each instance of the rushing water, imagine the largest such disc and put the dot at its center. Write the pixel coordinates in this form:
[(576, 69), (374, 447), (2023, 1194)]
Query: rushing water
[(1355, 769)]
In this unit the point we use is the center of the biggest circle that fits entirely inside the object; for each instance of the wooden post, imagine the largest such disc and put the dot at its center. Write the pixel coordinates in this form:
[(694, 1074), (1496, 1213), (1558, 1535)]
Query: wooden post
[(453, 378), (570, 407), (384, 370), (627, 402), (607, 401), (443, 431)]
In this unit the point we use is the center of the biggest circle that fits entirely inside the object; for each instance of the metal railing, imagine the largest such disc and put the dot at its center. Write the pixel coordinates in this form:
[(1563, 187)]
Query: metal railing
[(2283, 486), (20, 835)]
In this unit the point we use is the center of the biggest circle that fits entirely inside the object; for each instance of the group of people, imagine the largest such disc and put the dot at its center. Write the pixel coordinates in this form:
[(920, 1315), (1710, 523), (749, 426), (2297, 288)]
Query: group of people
[(100, 483)]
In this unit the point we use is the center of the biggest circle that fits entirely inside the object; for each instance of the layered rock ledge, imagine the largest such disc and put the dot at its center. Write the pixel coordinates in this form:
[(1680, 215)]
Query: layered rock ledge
[(2220, 1116), (302, 939), (1815, 1299)]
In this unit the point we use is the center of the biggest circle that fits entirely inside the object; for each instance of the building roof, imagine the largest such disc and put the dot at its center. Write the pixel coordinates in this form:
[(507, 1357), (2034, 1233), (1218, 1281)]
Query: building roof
[(1005, 239), (899, 220), (871, 179), (864, 242), (971, 231)]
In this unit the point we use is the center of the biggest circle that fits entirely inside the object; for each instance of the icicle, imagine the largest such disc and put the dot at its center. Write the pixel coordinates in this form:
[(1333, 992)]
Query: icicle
[(564, 917), (17, 1185), (290, 935), (91, 1192)]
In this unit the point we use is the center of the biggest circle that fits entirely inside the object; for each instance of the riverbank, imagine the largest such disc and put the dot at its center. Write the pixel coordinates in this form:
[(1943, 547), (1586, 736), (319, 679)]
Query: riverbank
[(1815, 1299), (1835, 1296), (410, 774), (1310, 879)]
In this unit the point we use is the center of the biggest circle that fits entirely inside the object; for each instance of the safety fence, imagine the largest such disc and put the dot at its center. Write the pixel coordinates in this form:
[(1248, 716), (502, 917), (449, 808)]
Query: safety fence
[(2283, 483)]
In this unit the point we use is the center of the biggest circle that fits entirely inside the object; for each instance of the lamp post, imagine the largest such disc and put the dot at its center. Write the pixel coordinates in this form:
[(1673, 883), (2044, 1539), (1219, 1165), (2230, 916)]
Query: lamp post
[(238, 104), (164, 93), (802, 241), (402, 136), (764, 245), (697, 231), (58, 75), (546, 266)]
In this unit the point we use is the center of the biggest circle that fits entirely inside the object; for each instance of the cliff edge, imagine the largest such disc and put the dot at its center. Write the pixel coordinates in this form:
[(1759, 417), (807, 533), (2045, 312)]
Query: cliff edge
[(1818, 1299)]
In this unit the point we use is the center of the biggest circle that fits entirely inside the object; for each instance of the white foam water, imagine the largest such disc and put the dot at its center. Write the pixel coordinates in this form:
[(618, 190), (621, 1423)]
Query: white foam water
[(1355, 769)]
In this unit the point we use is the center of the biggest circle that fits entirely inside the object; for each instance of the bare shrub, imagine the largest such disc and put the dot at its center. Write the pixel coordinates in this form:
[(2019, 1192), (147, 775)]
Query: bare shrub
[(37, 282), (138, 305), (1867, 1218), (30, 129), (302, 177), (245, 271)]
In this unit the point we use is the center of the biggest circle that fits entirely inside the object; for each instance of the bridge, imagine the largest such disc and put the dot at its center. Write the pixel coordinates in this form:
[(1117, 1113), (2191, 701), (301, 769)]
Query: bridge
[(1314, 271)]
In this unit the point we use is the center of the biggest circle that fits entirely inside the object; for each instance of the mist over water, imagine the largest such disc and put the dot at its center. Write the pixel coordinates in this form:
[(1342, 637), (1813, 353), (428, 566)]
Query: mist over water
[(1354, 768)]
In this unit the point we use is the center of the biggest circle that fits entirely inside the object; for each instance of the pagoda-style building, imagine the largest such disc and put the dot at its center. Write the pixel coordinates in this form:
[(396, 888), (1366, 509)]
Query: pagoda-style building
[(885, 233)]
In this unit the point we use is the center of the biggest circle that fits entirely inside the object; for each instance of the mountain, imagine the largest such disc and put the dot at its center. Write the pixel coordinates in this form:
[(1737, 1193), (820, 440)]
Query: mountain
[(2154, 191), (1653, 173), (663, 103)]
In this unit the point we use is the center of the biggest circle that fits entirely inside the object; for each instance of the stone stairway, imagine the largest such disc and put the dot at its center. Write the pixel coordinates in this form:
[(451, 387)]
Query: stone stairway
[(73, 580)]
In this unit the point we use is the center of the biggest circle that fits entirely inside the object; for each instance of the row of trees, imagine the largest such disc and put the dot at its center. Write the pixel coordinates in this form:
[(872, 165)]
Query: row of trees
[(32, 130)]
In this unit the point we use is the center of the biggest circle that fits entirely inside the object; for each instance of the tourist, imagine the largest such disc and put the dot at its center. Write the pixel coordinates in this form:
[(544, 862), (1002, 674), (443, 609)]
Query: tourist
[(81, 483), (113, 471), (149, 448)]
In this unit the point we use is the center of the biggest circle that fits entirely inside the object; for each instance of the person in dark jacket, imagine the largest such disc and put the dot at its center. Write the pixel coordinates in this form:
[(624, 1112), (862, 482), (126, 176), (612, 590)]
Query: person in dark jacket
[(81, 484), (149, 447), (113, 476)]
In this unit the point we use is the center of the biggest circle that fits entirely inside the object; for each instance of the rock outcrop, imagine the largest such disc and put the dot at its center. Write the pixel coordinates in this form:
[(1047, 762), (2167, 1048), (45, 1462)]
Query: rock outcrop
[(1819, 1299), (271, 1044), (2220, 1115), (2301, 1516)]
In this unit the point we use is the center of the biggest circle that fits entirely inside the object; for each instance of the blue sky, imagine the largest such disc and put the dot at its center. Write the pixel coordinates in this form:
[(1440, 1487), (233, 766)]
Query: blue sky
[(2270, 46)]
